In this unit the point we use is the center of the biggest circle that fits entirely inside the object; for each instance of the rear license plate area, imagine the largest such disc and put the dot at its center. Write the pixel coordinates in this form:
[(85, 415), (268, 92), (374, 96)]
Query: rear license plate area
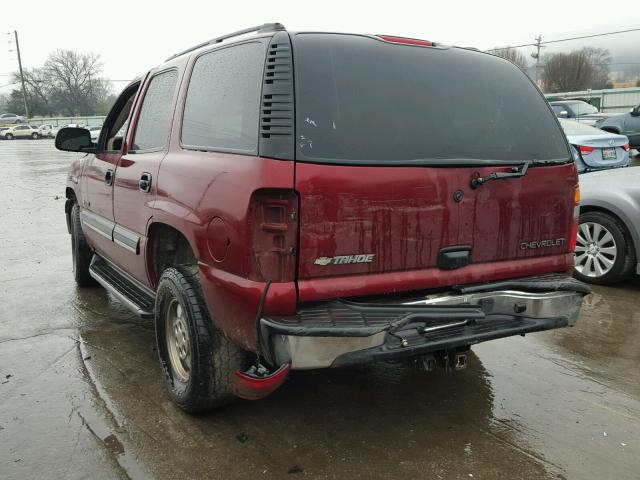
[(608, 153)]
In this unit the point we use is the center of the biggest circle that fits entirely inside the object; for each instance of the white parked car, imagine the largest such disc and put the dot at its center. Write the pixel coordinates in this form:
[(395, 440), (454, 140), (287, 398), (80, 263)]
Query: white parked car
[(48, 130), (95, 132), (21, 131)]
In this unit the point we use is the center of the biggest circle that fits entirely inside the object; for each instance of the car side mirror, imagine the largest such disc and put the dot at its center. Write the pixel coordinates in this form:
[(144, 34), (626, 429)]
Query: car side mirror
[(635, 112), (563, 114), (72, 139)]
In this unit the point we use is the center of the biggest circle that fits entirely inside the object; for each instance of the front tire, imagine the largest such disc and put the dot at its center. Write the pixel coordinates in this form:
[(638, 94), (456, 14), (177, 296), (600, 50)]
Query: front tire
[(80, 251), (35, 136), (604, 252), (197, 360)]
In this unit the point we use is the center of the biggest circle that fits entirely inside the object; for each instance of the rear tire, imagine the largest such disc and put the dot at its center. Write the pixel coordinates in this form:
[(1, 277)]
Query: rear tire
[(604, 250), (35, 136), (80, 251), (197, 360), (8, 136)]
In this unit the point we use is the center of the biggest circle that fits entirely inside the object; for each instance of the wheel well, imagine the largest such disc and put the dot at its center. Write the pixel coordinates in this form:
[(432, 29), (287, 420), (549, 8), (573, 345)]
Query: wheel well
[(627, 233), (168, 248)]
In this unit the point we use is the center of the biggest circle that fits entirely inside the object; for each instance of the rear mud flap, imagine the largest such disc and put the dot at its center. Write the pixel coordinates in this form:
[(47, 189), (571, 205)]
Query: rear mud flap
[(257, 383)]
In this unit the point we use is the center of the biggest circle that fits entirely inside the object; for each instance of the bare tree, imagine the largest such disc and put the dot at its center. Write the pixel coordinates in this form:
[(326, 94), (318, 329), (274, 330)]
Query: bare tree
[(69, 83), (566, 72), (37, 90), (600, 60), (513, 55), (577, 70), (74, 80)]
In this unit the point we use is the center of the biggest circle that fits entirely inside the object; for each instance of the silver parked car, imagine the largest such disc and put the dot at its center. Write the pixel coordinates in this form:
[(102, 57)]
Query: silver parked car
[(595, 149), (608, 245)]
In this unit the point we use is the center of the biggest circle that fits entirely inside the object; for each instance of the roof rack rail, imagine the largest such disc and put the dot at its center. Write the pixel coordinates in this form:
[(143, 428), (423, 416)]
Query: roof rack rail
[(265, 27)]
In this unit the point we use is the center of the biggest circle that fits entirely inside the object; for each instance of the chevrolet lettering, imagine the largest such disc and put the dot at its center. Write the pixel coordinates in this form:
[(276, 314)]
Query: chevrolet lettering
[(558, 242)]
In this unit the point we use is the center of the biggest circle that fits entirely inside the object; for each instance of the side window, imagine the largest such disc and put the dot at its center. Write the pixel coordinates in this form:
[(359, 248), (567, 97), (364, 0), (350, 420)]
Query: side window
[(223, 102), (116, 122), (155, 116)]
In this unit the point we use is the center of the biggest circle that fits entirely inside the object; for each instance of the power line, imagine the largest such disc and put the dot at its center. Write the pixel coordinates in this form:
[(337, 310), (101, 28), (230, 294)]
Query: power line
[(566, 39)]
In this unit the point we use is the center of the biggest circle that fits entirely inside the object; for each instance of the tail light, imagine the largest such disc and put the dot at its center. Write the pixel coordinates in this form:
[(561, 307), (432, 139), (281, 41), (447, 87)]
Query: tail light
[(626, 147), (273, 222), (405, 41), (586, 150), (576, 216)]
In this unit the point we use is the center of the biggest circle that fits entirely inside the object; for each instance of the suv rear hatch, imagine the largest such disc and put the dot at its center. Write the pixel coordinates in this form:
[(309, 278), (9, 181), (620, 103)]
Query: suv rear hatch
[(389, 138)]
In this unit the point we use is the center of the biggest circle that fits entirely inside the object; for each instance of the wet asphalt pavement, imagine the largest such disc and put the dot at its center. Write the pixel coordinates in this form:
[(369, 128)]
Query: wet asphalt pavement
[(81, 394)]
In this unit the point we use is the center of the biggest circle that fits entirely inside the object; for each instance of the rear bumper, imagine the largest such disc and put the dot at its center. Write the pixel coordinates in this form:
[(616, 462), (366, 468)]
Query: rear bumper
[(341, 332)]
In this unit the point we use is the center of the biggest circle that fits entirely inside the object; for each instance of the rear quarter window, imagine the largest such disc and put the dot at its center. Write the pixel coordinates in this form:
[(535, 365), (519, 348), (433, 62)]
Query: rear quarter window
[(223, 100), (361, 100)]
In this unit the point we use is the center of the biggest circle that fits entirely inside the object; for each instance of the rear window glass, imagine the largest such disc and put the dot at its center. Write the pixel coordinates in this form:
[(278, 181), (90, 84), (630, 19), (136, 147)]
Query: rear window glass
[(223, 101), (582, 108), (365, 101), (573, 127)]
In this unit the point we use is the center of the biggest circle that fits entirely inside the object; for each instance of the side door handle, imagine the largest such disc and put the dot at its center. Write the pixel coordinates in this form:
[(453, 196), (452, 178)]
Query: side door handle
[(108, 177), (144, 184)]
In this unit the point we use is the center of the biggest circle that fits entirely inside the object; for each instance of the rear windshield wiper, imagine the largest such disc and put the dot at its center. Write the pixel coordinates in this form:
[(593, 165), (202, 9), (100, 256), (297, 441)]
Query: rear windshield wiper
[(519, 171)]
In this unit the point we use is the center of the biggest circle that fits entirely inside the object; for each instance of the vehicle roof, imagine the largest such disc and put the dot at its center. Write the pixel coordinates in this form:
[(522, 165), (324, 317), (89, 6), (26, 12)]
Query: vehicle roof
[(183, 58), (563, 102)]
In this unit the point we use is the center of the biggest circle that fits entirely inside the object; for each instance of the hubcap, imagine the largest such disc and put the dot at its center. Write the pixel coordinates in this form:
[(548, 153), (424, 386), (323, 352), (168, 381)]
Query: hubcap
[(596, 250), (178, 342)]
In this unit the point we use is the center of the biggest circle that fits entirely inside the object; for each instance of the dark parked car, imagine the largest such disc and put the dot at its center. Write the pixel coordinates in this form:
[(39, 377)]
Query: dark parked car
[(268, 224), (626, 124), (579, 110)]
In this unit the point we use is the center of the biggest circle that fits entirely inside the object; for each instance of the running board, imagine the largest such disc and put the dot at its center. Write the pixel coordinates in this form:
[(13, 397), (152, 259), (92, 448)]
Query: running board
[(135, 297)]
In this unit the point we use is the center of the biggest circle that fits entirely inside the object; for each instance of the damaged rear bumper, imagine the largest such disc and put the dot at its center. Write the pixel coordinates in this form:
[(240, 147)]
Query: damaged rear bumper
[(342, 332)]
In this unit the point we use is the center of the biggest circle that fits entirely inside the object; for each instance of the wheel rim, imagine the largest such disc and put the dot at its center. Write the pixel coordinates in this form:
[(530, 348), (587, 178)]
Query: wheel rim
[(178, 342), (596, 250)]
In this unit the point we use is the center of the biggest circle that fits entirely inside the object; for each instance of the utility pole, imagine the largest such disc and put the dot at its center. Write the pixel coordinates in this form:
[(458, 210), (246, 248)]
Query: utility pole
[(24, 90), (536, 55)]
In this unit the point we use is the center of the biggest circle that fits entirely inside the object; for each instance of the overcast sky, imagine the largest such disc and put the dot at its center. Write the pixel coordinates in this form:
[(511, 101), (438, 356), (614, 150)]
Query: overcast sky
[(133, 36)]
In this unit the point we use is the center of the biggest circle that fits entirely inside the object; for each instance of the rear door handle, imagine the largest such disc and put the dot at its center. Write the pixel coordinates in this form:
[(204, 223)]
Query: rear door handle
[(108, 177), (144, 184)]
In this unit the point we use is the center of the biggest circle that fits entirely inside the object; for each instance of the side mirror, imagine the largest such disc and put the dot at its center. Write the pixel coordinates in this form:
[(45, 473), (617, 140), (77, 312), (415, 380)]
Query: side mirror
[(71, 139), (635, 112), (563, 114)]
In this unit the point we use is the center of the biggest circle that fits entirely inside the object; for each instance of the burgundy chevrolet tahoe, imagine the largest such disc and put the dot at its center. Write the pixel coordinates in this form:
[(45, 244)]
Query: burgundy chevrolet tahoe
[(279, 200)]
